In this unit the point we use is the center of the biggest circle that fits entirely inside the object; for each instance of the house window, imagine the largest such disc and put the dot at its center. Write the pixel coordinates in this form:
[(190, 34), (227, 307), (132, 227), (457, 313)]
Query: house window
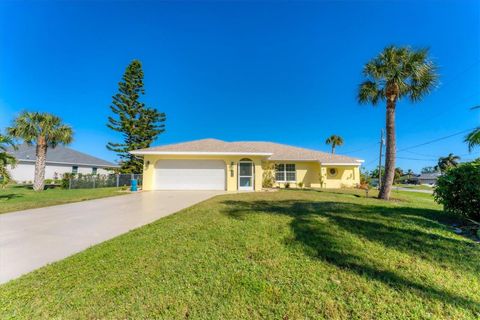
[(94, 170), (74, 169), (285, 172)]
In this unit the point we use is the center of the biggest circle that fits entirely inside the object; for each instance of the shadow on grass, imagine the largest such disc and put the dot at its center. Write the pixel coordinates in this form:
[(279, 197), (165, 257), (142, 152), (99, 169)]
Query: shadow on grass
[(22, 186), (10, 196), (325, 230), (353, 193)]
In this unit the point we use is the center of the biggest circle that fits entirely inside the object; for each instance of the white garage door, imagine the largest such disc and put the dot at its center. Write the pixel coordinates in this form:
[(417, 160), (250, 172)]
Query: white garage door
[(190, 175)]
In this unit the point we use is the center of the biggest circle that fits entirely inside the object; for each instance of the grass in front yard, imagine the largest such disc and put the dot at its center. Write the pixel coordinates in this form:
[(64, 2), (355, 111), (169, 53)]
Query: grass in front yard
[(280, 255), (415, 186), (20, 197)]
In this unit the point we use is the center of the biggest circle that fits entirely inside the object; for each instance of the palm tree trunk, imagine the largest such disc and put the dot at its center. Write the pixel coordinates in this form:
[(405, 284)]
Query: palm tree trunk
[(333, 149), (389, 153), (41, 153)]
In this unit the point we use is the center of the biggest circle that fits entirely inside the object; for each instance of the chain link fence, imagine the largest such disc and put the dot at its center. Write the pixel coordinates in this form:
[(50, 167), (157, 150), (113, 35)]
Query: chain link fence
[(92, 181)]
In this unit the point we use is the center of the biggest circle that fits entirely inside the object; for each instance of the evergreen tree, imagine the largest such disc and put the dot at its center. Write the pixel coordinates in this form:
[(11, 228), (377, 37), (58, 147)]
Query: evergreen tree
[(138, 124)]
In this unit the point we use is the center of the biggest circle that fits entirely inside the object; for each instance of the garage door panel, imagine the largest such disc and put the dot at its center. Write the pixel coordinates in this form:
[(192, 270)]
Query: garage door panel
[(190, 175)]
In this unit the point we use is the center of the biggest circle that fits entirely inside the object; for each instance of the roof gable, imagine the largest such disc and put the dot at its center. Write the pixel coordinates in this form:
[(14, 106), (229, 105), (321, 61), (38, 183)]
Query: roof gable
[(59, 154)]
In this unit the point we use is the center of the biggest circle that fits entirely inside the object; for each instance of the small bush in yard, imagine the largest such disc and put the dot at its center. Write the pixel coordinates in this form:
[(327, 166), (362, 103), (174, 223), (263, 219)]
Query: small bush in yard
[(268, 179), (52, 181), (458, 189), (65, 183), (364, 181)]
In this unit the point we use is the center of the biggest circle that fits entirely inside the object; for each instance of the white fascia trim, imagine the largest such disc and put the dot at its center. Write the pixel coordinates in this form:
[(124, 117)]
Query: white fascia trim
[(340, 164), (73, 164), (200, 153), (314, 160), (293, 160)]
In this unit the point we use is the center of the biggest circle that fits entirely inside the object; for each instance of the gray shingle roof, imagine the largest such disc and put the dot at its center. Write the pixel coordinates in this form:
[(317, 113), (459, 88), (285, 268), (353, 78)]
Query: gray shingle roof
[(60, 154), (429, 176), (275, 151)]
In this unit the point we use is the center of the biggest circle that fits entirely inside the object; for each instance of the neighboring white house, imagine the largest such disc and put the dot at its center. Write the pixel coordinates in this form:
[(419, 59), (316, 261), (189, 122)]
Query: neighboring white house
[(60, 160)]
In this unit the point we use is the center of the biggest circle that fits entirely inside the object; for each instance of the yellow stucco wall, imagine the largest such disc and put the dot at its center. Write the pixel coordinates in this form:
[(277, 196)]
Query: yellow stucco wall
[(231, 163), (307, 172), (346, 176)]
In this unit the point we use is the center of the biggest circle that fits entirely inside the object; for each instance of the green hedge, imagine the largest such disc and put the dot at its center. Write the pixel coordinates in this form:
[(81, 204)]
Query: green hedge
[(458, 189)]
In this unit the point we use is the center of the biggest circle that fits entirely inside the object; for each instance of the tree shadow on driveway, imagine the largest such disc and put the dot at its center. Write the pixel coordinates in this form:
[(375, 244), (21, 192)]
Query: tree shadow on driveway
[(326, 231)]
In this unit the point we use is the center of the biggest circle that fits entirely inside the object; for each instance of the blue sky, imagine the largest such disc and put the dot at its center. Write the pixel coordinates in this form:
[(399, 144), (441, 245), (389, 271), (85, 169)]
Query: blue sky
[(277, 71)]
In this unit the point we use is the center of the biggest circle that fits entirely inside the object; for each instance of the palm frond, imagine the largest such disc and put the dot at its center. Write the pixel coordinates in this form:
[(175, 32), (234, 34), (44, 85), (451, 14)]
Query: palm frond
[(374, 69), (6, 142), (29, 126), (370, 92), (25, 127), (334, 140), (6, 159), (473, 139), (423, 80), (5, 176), (408, 71)]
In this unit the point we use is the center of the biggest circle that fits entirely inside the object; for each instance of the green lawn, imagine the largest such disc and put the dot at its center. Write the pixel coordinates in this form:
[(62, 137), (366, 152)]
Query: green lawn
[(19, 197), (279, 255), (414, 186)]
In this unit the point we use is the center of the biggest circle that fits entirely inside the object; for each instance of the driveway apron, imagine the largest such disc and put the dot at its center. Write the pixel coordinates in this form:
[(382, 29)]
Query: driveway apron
[(33, 238)]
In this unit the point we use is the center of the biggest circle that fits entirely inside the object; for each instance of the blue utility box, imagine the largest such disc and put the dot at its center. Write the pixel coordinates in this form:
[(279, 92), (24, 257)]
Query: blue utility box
[(134, 186)]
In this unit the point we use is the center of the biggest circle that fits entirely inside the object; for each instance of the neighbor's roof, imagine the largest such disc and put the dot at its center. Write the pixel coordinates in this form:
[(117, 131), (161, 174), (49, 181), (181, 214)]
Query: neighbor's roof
[(427, 176), (274, 151), (59, 154)]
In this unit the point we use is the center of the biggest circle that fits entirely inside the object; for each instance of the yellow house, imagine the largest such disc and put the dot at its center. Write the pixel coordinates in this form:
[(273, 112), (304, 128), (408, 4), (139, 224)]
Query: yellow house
[(212, 164)]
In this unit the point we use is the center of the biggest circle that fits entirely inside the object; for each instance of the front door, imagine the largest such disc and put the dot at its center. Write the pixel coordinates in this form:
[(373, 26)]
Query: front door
[(245, 175)]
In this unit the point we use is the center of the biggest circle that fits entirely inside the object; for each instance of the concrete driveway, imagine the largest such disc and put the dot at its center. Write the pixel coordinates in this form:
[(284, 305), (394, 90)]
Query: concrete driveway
[(33, 238)]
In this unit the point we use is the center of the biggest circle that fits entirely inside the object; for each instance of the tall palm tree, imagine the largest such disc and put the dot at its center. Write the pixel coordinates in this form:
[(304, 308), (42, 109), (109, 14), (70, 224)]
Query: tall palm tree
[(409, 173), (334, 140), (5, 159), (445, 163), (45, 131), (473, 138), (394, 74)]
